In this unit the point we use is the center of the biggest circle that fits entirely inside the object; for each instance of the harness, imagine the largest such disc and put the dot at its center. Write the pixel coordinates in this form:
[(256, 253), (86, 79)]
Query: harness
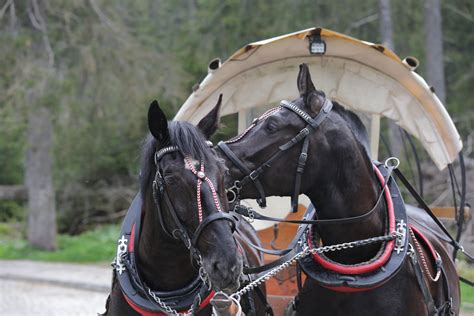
[(253, 175), (376, 271), (196, 295), (330, 274)]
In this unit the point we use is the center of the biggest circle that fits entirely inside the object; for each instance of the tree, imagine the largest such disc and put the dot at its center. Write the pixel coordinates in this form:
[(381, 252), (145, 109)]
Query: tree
[(386, 30), (434, 47), (38, 170)]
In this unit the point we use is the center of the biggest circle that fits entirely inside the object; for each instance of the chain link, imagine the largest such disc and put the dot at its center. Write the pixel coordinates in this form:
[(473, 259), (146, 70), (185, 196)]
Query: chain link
[(303, 253), (307, 251), (164, 306)]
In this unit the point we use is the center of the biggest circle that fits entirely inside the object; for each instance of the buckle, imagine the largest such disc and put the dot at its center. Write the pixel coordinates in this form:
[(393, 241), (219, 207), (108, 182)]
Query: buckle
[(303, 158), (253, 175)]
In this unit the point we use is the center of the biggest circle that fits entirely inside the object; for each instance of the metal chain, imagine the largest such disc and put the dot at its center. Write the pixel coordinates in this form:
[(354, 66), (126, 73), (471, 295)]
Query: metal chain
[(307, 251), (303, 253), (165, 307)]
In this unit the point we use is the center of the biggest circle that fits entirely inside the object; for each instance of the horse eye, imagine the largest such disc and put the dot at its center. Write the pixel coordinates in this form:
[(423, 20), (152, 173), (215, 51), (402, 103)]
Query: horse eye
[(271, 126)]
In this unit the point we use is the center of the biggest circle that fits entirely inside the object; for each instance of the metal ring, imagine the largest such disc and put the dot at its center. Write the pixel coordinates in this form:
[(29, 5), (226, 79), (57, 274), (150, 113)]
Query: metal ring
[(394, 164), (233, 196), (238, 185)]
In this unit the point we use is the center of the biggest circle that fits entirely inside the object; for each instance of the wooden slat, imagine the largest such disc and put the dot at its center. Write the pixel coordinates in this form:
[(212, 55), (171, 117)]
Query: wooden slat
[(450, 213)]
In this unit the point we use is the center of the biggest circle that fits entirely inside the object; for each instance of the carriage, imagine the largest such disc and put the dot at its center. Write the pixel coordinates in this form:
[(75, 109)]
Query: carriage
[(366, 78)]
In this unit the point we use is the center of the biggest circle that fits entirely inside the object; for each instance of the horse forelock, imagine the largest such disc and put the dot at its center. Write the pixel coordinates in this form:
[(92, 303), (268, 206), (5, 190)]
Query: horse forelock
[(190, 141)]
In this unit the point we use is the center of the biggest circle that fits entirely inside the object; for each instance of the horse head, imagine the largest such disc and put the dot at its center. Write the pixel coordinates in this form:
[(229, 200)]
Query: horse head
[(190, 195)]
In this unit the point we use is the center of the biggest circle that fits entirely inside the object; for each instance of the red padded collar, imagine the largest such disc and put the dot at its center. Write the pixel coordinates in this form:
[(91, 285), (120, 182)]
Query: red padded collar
[(363, 268)]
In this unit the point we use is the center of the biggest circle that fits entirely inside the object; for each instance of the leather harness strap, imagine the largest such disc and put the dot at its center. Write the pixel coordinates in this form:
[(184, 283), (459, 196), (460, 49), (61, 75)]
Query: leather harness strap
[(246, 171), (430, 305), (253, 175)]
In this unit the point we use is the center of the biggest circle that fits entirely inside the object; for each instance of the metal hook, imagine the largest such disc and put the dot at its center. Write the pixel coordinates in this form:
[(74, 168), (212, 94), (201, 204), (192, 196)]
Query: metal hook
[(394, 164)]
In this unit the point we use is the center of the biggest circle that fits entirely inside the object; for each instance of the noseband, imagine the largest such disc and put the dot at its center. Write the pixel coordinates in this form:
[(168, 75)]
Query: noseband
[(253, 175), (180, 232)]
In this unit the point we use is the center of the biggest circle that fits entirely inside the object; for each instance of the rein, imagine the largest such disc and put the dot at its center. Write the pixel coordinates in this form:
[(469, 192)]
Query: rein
[(253, 175)]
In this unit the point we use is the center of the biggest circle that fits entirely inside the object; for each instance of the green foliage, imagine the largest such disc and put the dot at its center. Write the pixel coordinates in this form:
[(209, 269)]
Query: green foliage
[(97, 245), (12, 211), (467, 297), (113, 58), (11, 148)]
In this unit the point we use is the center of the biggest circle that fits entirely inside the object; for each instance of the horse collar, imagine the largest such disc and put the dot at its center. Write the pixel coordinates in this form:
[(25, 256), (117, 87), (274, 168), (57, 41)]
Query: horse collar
[(136, 293), (375, 272)]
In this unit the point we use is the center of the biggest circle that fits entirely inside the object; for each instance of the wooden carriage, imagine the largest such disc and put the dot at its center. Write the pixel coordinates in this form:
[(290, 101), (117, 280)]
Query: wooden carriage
[(364, 77)]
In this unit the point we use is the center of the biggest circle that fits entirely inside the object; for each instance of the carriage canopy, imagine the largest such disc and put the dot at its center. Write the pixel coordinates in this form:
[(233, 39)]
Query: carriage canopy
[(361, 76)]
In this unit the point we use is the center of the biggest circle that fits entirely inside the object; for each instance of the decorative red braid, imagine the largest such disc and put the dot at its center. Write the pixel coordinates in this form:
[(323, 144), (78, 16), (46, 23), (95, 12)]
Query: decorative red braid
[(262, 117), (189, 164)]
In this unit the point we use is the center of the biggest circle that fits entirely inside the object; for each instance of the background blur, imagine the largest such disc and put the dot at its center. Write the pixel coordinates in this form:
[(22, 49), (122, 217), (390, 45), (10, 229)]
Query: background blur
[(77, 76)]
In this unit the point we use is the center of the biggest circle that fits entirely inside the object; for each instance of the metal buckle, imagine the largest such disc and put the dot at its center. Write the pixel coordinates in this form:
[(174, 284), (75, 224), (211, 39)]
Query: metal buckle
[(303, 158), (253, 175)]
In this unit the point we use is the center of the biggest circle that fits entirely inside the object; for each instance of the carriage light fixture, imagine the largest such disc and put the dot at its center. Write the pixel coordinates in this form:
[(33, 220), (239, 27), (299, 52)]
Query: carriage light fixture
[(317, 46)]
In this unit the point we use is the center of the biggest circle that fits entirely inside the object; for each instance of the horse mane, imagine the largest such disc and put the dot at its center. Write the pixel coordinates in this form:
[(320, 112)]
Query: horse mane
[(355, 124), (185, 136)]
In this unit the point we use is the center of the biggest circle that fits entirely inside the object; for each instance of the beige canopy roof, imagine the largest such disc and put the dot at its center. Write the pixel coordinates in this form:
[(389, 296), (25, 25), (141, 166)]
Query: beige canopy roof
[(361, 76)]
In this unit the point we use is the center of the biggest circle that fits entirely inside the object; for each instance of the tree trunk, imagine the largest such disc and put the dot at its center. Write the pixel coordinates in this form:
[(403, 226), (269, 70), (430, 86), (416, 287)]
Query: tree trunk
[(38, 177), (386, 31), (386, 27), (434, 47)]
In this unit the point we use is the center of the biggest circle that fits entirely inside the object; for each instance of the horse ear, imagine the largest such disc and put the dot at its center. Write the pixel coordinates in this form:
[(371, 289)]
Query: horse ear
[(305, 85), (209, 124), (157, 122)]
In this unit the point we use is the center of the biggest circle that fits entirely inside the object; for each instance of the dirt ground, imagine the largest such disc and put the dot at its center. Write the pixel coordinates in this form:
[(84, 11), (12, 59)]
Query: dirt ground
[(35, 298)]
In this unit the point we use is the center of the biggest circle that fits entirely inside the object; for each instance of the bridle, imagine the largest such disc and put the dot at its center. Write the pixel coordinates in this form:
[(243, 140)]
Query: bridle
[(253, 175), (180, 232)]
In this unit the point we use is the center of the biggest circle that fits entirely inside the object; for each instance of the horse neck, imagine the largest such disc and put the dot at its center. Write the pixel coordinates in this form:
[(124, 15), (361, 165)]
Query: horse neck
[(159, 255), (346, 186)]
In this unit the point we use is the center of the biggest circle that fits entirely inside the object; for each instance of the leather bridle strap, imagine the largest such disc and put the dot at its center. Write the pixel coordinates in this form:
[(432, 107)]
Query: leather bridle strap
[(313, 124), (210, 219), (280, 252), (246, 171), (159, 189), (251, 213)]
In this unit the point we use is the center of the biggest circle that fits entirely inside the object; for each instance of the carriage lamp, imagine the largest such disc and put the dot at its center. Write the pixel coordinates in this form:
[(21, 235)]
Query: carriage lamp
[(317, 46)]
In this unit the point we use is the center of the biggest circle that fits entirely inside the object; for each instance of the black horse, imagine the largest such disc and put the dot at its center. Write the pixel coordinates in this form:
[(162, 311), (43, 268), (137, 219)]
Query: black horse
[(327, 145), (177, 239)]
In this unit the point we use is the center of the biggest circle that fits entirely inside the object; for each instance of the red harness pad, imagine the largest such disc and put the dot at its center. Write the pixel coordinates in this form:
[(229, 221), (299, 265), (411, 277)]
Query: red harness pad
[(375, 272)]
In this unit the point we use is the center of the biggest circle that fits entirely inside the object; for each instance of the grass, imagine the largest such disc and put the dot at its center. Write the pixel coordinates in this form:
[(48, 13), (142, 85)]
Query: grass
[(467, 292), (98, 245)]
